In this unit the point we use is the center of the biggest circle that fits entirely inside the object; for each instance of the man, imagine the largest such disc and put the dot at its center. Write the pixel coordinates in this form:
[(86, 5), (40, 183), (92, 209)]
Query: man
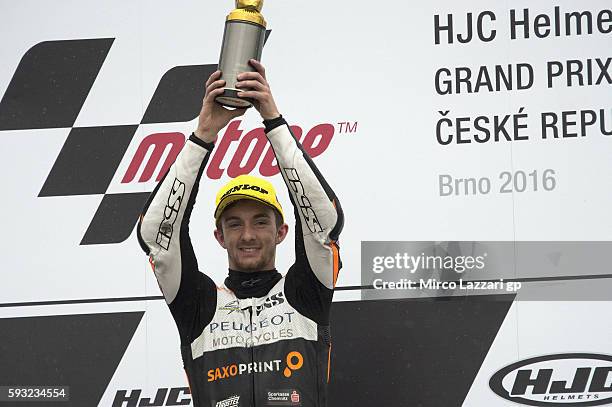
[(261, 338)]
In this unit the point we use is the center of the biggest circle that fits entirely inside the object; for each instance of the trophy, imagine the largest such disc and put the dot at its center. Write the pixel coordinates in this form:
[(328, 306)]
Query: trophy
[(243, 39)]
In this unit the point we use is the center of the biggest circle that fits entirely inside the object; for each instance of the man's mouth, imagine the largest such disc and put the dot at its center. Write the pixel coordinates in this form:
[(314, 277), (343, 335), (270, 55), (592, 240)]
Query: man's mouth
[(249, 249)]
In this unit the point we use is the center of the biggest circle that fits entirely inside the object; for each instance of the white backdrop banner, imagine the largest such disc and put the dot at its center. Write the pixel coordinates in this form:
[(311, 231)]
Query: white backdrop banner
[(434, 122)]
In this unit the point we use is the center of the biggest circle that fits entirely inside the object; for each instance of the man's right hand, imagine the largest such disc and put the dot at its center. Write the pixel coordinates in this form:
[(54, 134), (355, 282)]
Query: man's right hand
[(213, 116)]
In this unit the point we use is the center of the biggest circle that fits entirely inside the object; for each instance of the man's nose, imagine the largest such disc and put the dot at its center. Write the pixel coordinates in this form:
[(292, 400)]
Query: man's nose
[(247, 233)]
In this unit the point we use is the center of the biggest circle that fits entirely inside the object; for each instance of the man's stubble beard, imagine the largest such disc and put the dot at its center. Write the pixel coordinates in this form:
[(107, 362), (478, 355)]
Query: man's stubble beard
[(258, 266)]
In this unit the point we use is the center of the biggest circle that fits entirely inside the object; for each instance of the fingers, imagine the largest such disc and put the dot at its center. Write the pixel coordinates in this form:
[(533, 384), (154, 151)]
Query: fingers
[(256, 76), (213, 77), (215, 92), (254, 90), (215, 86), (258, 67), (259, 96), (255, 85)]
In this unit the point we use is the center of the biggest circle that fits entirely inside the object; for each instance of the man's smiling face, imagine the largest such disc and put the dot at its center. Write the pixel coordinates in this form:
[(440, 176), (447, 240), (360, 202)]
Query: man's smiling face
[(249, 232)]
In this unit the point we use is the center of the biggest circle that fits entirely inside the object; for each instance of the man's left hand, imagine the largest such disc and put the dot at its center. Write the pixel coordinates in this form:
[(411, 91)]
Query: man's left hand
[(254, 85)]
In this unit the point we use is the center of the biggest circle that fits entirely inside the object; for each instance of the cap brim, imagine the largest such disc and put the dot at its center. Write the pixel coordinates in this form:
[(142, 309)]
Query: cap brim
[(225, 202)]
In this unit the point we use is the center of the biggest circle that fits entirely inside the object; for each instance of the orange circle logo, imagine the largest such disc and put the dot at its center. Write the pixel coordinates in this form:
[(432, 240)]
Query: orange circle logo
[(295, 360)]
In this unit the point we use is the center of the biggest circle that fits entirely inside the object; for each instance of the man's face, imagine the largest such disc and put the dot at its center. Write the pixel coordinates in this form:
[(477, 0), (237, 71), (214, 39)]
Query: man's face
[(249, 233)]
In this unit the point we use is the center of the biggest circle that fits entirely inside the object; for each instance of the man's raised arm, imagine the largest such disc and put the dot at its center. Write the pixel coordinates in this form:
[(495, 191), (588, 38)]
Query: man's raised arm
[(163, 229), (318, 212), (319, 217)]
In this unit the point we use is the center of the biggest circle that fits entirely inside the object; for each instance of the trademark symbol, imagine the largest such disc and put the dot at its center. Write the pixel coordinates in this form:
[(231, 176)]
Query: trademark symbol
[(347, 127)]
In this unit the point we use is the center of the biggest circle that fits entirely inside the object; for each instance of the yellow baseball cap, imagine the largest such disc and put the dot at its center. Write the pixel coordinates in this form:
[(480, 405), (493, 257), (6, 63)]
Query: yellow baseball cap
[(247, 187)]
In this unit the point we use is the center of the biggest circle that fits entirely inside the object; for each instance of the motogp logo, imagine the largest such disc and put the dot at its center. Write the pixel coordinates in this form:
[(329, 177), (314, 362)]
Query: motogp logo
[(48, 91)]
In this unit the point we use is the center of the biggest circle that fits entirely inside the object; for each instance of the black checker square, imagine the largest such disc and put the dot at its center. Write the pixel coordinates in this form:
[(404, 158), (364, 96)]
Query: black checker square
[(51, 83), (115, 218), (422, 352), (88, 160), (79, 351)]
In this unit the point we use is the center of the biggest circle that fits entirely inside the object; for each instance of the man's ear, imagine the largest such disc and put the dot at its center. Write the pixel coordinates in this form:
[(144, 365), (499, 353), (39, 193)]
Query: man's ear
[(281, 233), (219, 236)]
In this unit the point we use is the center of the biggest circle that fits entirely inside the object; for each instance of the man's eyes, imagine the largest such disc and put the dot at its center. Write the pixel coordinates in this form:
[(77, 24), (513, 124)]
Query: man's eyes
[(259, 222)]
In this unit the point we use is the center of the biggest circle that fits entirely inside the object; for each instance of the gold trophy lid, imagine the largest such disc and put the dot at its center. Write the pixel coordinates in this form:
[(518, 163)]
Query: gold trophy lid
[(248, 10)]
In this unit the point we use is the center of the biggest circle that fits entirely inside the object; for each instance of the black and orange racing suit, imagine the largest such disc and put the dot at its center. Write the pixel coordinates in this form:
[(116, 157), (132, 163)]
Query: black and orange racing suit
[(260, 339)]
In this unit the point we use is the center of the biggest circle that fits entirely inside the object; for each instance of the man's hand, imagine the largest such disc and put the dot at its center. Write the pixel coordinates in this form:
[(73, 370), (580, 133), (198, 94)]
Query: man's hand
[(213, 116), (254, 85)]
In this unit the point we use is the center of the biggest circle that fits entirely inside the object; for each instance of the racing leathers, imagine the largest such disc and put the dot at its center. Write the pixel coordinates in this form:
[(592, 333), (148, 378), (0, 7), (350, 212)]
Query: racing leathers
[(259, 339)]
